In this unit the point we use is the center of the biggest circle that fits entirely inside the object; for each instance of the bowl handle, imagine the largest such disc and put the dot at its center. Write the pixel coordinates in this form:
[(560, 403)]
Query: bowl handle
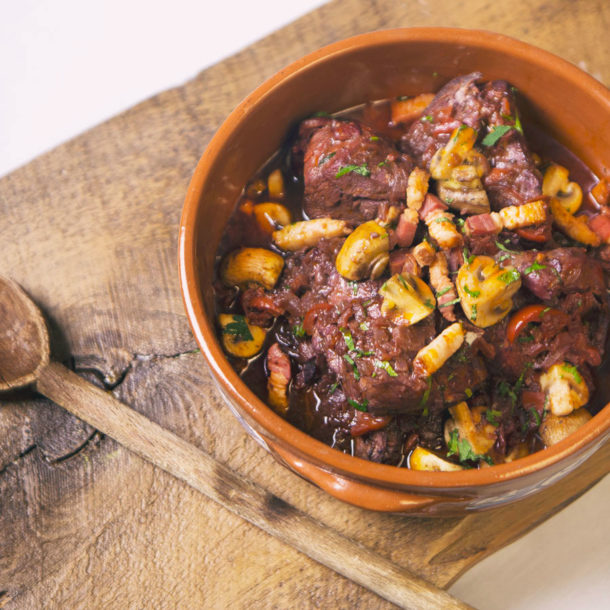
[(358, 493)]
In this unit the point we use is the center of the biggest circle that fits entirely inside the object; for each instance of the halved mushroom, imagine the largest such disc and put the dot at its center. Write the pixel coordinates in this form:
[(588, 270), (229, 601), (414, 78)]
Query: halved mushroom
[(251, 266), (486, 290), (556, 184), (270, 215), (407, 298), (422, 459), (565, 388), (555, 429), (307, 233), (275, 184), (365, 253), (240, 338), (453, 153), (472, 426), (431, 358)]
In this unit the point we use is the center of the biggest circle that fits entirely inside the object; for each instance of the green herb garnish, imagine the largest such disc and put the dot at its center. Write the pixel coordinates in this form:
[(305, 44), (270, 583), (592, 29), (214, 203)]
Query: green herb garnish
[(491, 415), (473, 293), (349, 340), (443, 291), (363, 170), (468, 392), (467, 256), (504, 248), (386, 366), (534, 267), (427, 119), (448, 303), (382, 163), (298, 329), (239, 329), (363, 326), (325, 158), (474, 312), (359, 406), (508, 277), (536, 416), (349, 359), (354, 286), (424, 398), (495, 134), (333, 387), (374, 138), (463, 449), (570, 368)]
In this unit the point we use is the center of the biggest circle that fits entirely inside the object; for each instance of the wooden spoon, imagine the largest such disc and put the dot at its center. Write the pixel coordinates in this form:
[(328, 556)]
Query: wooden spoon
[(24, 360)]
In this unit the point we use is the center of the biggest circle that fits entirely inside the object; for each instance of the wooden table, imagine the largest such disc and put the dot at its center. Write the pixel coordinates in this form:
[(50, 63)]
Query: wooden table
[(90, 231)]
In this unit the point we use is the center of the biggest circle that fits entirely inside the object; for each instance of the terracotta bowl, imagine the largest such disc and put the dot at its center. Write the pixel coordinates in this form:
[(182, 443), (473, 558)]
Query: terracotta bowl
[(565, 101)]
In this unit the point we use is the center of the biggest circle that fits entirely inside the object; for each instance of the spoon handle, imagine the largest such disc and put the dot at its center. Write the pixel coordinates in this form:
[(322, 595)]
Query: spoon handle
[(238, 494)]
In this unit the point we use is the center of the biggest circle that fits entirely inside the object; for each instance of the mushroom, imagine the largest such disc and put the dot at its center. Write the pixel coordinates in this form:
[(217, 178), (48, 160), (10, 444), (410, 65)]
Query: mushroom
[(307, 233), (365, 252), (270, 215), (447, 158), (565, 388), (486, 290), (555, 429), (240, 338), (556, 184), (422, 459), (407, 298), (472, 426), (275, 184), (251, 265), (431, 358)]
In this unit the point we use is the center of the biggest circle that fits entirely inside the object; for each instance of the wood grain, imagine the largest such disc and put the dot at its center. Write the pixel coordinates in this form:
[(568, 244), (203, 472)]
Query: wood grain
[(90, 229)]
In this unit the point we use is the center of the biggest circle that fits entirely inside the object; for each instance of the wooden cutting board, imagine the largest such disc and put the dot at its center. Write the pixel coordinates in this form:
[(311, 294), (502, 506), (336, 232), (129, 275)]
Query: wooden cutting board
[(90, 230)]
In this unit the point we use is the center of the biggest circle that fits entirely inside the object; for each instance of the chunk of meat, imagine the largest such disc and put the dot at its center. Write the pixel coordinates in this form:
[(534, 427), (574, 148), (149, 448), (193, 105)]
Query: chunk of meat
[(457, 103), (349, 172)]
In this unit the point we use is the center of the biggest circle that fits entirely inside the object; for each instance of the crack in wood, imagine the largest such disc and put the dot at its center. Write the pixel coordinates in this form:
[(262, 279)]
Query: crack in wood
[(95, 435), (25, 452)]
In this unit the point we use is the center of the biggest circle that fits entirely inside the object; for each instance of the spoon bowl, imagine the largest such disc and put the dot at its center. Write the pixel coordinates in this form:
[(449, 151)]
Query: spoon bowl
[(24, 339)]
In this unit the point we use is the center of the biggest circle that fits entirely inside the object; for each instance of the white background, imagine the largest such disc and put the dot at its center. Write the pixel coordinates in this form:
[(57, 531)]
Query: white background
[(66, 65)]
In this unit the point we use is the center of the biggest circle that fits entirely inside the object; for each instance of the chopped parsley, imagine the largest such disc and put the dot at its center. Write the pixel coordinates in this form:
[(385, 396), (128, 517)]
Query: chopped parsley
[(525, 339), (491, 415), (460, 221), (349, 340), (504, 248), (534, 267), (382, 163), (536, 415), (443, 291), (363, 326), (350, 360), (508, 277), (570, 368), (354, 286), (448, 303), (495, 134), (463, 449), (320, 113), (386, 366), (239, 329), (505, 390), (474, 312), (333, 387), (429, 304), (326, 158), (424, 399), (403, 98), (374, 138), (428, 118), (360, 406), (468, 392), (363, 170), (298, 329), (473, 293), (467, 256), (442, 219)]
